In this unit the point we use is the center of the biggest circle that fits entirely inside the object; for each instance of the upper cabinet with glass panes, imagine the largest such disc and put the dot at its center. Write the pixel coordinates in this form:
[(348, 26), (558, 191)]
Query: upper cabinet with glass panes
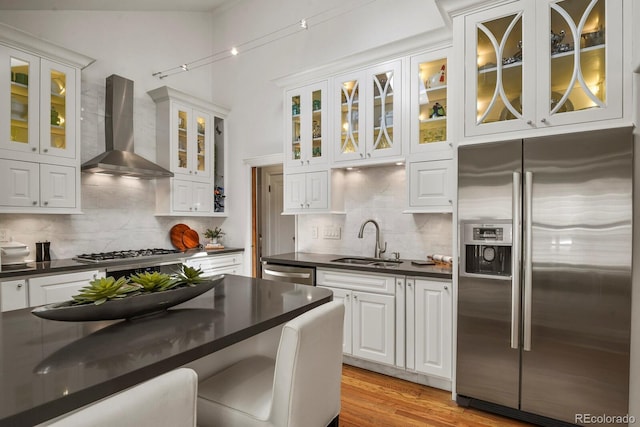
[(543, 63), (306, 126), (38, 113), (429, 102), (367, 120)]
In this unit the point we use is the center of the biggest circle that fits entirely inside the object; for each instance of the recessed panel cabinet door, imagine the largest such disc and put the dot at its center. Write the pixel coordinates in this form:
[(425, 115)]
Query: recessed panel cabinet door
[(433, 328), (182, 195), (374, 327), (431, 185), (19, 183), (57, 186), (294, 187), (317, 195)]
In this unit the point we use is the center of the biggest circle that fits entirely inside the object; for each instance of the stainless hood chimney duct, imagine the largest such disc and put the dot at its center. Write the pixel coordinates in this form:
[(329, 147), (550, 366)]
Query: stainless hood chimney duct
[(119, 158)]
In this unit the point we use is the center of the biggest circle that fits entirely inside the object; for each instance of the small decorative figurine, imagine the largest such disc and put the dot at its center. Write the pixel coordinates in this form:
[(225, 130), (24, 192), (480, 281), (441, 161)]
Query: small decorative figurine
[(437, 79), (437, 111)]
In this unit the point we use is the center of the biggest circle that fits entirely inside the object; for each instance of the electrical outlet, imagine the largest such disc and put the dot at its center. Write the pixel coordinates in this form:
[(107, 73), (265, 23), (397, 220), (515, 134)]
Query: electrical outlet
[(4, 235), (314, 232)]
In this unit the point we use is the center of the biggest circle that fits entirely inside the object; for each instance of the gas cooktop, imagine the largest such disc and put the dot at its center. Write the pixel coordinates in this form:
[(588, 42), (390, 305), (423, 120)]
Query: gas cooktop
[(115, 255)]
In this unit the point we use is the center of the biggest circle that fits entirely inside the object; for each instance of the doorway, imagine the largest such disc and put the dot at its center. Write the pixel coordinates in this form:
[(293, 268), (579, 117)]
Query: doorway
[(274, 233)]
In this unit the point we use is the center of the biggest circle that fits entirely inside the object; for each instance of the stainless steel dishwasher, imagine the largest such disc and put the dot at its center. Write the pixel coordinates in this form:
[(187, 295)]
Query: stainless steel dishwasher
[(289, 273)]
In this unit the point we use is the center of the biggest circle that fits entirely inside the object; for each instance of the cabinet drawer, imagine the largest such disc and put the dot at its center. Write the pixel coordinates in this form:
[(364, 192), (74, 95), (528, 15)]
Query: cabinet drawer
[(211, 264), (13, 294), (59, 288), (380, 283)]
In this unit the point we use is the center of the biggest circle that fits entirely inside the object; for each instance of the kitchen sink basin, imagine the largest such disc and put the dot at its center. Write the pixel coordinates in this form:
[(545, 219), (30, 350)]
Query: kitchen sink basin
[(351, 260), (367, 261), (387, 263)]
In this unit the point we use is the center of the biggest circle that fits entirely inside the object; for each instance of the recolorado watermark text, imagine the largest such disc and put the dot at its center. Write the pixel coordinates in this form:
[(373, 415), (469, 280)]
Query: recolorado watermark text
[(604, 419)]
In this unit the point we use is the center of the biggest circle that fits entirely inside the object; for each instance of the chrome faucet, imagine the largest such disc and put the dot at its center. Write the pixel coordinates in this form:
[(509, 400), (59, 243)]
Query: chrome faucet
[(378, 251)]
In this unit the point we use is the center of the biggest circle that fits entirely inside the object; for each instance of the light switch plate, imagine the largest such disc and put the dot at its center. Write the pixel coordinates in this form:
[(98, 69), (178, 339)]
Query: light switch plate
[(314, 232), (331, 232), (4, 235)]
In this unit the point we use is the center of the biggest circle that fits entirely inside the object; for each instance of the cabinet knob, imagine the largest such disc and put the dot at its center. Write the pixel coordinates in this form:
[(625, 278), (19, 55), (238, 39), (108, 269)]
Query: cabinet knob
[(368, 154), (33, 149), (190, 172), (446, 287), (543, 120), (308, 205), (361, 155), (19, 285), (46, 203), (302, 205), (46, 150), (195, 173), (190, 208), (355, 297), (302, 162), (530, 122), (308, 162), (34, 203)]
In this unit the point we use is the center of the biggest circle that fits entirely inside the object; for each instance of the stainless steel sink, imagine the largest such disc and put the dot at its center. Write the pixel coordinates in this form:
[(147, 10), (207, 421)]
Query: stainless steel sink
[(352, 260), (375, 262), (386, 263)]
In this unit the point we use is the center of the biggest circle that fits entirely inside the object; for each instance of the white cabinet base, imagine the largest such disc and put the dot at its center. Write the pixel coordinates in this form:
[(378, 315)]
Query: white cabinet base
[(59, 287)]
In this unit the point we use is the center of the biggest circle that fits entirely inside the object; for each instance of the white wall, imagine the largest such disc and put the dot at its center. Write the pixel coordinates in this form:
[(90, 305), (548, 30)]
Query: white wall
[(118, 212)]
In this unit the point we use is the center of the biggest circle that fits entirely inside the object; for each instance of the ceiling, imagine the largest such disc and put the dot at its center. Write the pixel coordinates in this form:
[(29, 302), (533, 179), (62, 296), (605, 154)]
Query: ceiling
[(132, 5)]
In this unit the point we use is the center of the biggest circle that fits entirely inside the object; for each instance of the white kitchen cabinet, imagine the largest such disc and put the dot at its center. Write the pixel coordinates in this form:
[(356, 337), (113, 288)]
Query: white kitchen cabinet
[(368, 115), (59, 287), (429, 326), (525, 80), (306, 191), (313, 192), (306, 126), (29, 184), (212, 265), (189, 197), (431, 186), (13, 294), (39, 124), (345, 297), (370, 302), (190, 143)]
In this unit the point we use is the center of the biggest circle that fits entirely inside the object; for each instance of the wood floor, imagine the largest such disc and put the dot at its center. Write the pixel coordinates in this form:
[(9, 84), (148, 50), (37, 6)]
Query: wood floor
[(371, 399)]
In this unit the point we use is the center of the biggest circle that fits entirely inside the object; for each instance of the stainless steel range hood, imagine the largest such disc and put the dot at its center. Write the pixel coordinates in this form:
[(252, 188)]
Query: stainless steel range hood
[(119, 158)]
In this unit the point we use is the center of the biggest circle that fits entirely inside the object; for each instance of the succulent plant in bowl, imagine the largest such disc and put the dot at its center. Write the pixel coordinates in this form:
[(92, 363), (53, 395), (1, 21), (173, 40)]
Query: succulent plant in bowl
[(105, 288), (154, 281), (188, 275)]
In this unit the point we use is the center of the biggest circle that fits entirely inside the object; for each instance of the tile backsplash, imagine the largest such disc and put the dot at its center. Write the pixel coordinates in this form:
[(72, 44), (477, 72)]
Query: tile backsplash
[(377, 193)]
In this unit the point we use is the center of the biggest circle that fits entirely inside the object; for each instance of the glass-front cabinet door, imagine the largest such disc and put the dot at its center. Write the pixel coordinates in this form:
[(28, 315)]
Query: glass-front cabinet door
[(37, 114), (57, 113), (306, 126), (368, 120), (581, 75), (192, 154), (543, 63), (19, 109), (350, 144), (502, 85), (429, 106)]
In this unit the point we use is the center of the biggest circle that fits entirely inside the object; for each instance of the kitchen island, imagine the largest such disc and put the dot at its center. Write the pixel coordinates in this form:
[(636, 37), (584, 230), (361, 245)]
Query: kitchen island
[(50, 368)]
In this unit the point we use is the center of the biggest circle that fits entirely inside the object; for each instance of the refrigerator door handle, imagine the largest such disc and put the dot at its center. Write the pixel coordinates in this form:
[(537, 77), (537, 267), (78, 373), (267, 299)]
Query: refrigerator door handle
[(516, 201), (528, 191)]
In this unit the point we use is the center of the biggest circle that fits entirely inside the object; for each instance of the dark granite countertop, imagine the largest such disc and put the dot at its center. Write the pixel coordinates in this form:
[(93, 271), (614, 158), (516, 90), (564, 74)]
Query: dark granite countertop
[(24, 271), (49, 368), (307, 259)]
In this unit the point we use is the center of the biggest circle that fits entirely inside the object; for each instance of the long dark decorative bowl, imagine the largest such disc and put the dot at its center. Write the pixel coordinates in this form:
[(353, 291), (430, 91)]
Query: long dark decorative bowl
[(125, 308)]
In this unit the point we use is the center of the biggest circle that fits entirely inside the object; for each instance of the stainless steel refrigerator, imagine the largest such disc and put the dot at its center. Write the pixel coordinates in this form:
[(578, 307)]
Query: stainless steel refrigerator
[(544, 288)]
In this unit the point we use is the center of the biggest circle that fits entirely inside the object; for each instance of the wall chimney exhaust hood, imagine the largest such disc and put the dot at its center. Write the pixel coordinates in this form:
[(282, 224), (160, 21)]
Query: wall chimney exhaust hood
[(119, 158)]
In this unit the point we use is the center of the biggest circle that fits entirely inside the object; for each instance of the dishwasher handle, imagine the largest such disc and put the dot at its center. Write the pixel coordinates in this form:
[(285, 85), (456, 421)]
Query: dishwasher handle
[(290, 274)]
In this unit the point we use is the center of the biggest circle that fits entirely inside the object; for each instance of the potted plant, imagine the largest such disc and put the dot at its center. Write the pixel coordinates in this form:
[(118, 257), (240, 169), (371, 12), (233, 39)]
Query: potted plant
[(214, 235)]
